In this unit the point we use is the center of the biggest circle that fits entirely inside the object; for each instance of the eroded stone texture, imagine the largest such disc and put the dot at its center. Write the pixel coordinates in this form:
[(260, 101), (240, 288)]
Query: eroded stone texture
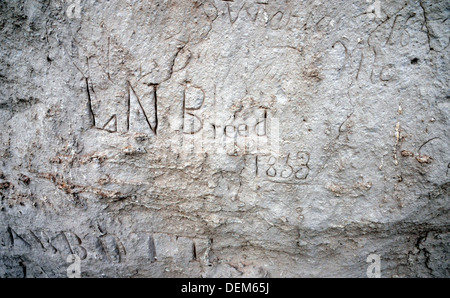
[(224, 138)]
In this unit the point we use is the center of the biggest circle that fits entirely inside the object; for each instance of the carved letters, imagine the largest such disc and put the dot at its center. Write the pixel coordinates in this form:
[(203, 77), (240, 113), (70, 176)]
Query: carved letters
[(193, 99), (146, 246)]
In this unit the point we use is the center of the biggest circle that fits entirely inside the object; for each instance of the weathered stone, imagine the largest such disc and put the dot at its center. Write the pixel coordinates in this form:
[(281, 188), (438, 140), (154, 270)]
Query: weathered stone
[(218, 138)]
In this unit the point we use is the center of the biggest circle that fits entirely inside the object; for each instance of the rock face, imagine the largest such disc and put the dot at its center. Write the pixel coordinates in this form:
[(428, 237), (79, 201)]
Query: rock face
[(224, 138)]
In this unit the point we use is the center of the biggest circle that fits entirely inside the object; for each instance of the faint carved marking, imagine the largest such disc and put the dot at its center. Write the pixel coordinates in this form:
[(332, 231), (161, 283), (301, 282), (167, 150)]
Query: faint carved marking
[(279, 20), (275, 20), (192, 124), (37, 240), (178, 248), (426, 24), (230, 12), (155, 108), (113, 248), (111, 124), (43, 240), (427, 143), (89, 104), (152, 249), (346, 53), (193, 99), (405, 36), (75, 244), (252, 12), (151, 246), (210, 10), (183, 60), (290, 169), (61, 243), (16, 240), (360, 65), (392, 30), (142, 245)]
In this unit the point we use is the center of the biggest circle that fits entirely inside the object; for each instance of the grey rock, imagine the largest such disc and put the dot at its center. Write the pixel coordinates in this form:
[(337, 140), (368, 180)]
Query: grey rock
[(218, 138)]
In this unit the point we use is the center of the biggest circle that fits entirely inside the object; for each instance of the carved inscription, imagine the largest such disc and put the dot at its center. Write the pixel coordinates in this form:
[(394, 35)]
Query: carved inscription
[(149, 247), (292, 168), (113, 248), (277, 18), (193, 99)]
